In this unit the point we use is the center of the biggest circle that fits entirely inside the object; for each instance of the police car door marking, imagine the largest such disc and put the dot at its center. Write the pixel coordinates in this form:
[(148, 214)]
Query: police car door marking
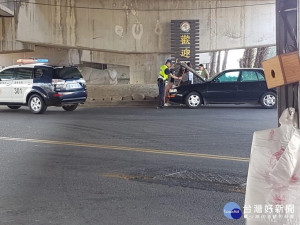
[(18, 91)]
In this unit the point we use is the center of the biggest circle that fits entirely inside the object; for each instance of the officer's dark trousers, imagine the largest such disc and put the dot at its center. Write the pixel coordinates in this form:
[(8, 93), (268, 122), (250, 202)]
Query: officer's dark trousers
[(161, 88)]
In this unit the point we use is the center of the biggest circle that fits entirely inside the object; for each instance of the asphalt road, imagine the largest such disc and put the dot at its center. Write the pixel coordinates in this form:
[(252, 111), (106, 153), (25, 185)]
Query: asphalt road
[(125, 165)]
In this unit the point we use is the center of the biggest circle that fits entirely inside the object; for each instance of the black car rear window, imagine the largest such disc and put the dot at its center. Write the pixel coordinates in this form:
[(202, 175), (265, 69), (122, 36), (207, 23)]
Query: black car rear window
[(260, 75), (67, 73)]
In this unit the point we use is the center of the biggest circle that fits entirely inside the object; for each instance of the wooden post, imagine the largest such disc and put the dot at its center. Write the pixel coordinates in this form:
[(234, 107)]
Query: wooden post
[(287, 41)]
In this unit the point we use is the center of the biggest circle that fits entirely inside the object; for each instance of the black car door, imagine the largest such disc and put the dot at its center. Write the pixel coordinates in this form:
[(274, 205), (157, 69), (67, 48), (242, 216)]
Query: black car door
[(223, 88), (251, 86)]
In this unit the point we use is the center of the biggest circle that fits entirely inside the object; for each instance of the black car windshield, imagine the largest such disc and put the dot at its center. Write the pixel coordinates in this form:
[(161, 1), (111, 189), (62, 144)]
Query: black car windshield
[(67, 73), (210, 79)]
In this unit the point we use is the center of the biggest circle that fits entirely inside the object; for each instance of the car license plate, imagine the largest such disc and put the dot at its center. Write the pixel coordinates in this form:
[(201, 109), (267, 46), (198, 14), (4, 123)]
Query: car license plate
[(73, 86)]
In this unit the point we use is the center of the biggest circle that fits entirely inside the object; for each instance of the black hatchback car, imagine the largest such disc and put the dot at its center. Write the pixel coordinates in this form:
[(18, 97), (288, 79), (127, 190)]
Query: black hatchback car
[(230, 86)]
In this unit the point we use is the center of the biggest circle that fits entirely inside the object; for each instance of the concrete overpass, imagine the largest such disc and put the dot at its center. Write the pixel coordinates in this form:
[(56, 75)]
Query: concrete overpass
[(7, 9), (130, 37)]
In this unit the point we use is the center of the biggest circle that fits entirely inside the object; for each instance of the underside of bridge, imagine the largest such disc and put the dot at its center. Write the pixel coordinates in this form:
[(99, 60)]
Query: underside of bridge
[(125, 42)]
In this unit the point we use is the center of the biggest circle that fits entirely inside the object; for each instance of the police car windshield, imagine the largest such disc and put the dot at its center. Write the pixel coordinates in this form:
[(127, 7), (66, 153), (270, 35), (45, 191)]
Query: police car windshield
[(67, 73)]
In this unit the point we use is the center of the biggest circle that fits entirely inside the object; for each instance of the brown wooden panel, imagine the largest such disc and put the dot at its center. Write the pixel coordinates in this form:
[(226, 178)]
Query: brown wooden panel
[(282, 69)]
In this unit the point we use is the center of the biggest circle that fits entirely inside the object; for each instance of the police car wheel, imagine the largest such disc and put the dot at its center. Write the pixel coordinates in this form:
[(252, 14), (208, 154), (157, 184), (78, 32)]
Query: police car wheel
[(70, 107), (36, 104), (13, 107), (193, 100)]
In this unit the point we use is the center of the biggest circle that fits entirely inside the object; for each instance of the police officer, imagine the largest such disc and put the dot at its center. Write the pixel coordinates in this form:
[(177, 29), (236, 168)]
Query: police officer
[(163, 76)]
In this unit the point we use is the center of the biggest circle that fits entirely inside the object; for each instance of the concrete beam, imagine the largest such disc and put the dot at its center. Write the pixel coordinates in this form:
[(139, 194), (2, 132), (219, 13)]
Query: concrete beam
[(124, 27), (143, 68), (56, 56), (5, 11), (8, 42)]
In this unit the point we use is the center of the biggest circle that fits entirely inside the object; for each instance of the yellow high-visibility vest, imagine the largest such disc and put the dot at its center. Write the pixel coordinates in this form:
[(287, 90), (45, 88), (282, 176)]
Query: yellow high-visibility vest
[(162, 72)]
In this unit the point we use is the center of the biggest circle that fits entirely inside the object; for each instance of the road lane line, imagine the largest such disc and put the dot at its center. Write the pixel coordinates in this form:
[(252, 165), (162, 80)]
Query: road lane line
[(121, 148)]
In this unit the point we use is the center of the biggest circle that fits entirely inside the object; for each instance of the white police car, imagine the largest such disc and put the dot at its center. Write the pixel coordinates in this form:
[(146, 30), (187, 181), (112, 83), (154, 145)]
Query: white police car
[(39, 85)]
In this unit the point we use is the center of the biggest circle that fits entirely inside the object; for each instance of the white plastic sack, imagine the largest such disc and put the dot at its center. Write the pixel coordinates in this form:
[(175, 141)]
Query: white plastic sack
[(273, 184)]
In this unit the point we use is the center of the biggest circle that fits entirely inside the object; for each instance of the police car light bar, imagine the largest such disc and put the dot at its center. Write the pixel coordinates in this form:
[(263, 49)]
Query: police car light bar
[(31, 61)]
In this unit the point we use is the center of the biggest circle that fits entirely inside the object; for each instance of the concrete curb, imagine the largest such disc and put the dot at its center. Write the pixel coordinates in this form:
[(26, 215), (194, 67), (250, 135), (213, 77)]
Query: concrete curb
[(98, 103)]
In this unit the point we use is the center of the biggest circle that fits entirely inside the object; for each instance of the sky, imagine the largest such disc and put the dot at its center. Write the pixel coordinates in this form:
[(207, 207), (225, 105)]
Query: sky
[(233, 58)]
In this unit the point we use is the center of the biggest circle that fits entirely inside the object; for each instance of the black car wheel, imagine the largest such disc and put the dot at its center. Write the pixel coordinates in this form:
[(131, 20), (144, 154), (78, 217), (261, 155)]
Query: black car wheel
[(36, 104), (268, 100), (193, 100), (70, 107), (13, 106)]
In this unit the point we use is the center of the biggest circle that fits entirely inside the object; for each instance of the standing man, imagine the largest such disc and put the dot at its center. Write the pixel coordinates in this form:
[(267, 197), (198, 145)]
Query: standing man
[(191, 75), (203, 72), (163, 76), (171, 81)]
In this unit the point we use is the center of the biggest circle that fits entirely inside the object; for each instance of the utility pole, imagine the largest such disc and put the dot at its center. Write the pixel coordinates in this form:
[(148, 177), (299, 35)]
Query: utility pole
[(287, 41)]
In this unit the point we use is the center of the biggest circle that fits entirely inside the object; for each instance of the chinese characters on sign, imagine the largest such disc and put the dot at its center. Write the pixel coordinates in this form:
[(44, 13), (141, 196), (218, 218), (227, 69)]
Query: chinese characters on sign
[(269, 212), (185, 40), (185, 53)]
